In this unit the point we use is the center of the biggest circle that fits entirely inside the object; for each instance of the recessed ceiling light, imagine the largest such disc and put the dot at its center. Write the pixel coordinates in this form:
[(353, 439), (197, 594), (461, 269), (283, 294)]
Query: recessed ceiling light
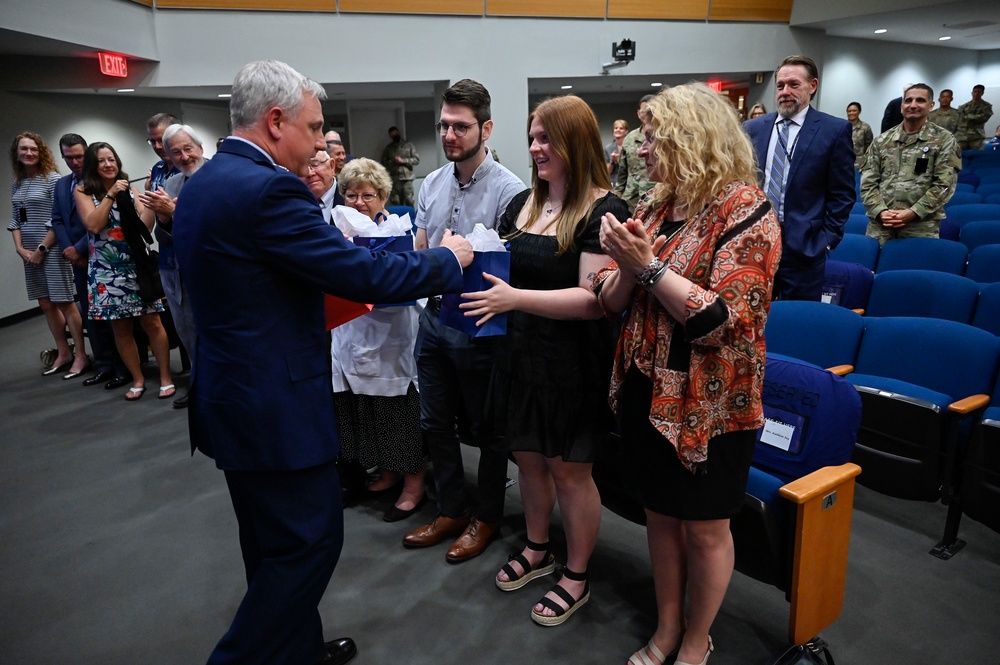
[(126, 89), (944, 39), (881, 31), (567, 87), (225, 95), (655, 85)]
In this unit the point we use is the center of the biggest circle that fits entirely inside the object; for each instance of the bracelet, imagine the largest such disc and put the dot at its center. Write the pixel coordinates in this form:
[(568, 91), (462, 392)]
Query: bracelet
[(646, 277), (42, 248), (109, 197), (656, 277)]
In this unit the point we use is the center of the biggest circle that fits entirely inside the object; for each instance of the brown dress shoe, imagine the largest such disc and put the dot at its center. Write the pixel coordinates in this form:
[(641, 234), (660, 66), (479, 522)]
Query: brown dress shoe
[(473, 541), (440, 529)]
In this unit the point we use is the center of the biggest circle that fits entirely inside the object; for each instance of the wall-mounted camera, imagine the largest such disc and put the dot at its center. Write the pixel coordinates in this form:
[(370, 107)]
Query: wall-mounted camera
[(622, 53)]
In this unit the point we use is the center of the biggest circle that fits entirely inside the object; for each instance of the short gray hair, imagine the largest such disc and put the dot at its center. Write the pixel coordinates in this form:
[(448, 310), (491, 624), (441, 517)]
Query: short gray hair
[(364, 171), (264, 84), (173, 130)]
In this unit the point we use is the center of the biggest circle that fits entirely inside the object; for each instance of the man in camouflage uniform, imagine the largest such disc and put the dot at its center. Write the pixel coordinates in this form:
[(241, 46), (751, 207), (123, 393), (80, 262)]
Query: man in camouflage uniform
[(399, 158), (910, 173), (945, 115), (637, 181), (972, 119)]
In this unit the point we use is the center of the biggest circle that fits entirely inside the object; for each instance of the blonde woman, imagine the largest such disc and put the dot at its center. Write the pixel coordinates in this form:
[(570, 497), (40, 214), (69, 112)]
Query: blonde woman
[(548, 393), (374, 372), (694, 271), (47, 275), (612, 153)]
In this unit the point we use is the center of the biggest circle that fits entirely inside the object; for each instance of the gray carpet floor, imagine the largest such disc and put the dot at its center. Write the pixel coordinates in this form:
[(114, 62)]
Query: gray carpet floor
[(119, 547)]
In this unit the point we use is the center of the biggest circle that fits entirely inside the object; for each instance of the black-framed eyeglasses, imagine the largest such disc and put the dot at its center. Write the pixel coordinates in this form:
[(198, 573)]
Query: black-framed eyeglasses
[(367, 197), (153, 142), (460, 128)]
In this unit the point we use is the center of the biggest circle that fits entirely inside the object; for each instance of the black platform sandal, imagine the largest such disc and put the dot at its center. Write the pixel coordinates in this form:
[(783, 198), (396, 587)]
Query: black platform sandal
[(545, 567), (562, 614)]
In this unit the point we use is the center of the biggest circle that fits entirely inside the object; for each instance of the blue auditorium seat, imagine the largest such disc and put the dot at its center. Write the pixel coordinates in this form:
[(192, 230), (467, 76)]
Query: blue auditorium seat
[(814, 332), (919, 379), (923, 254), (963, 198), (856, 224), (987, 316), (975, 234), (846, 284), (924, 293), (854, 248)]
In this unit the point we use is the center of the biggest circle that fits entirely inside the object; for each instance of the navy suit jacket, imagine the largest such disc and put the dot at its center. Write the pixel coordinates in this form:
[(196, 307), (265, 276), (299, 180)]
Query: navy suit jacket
[(256, 257), (820, 191), (66, 222)]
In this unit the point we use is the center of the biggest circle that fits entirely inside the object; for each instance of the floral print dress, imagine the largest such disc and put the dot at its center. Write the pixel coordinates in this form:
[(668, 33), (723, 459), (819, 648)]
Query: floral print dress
[(112, 290)]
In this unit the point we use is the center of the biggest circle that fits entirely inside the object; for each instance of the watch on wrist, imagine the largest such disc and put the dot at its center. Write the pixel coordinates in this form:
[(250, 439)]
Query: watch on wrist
[(43, 249), (649, 273)]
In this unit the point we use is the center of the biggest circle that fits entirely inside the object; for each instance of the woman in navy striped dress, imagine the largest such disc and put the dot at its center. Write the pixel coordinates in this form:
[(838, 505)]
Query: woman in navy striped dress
[(47, 274)]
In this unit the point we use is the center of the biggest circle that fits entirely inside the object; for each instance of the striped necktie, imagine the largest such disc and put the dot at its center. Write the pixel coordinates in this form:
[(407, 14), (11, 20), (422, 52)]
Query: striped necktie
[(779, 164)]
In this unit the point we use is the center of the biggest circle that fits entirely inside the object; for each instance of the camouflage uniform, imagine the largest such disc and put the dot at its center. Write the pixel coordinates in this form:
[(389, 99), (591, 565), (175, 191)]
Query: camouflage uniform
[(861, 135), (637, 180), (947, 118), (972, 120), (915, 171), (401, 174)]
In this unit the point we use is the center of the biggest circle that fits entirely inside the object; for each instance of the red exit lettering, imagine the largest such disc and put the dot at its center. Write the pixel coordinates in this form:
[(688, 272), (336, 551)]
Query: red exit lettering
[(113, 64)]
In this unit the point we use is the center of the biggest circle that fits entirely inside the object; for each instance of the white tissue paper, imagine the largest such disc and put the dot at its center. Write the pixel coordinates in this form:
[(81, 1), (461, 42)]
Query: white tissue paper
[(483, 239), (353, 223)]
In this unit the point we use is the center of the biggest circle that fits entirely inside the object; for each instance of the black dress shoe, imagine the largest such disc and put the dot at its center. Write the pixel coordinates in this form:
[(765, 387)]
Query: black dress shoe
[(339, 651), (117, 382), (100, 377), (181, 402), (396, 514)]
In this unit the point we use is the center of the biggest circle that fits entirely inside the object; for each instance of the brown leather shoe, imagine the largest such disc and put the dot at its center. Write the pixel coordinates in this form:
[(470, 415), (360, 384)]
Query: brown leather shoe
[(473, 541), (440, 529)]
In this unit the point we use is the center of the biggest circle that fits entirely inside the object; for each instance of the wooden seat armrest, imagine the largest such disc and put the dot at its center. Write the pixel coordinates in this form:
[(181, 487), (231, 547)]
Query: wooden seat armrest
[(859, 310), (819, 482), (967, 405), (841, 370)]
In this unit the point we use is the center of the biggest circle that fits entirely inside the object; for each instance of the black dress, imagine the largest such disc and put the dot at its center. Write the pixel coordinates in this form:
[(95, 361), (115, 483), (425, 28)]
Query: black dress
[(549, 391)]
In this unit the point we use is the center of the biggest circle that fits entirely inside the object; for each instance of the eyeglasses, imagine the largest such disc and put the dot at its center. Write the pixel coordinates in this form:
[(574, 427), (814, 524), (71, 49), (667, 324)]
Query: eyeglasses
[(154, 142), (460, 128), (314, 165), (367, 198)]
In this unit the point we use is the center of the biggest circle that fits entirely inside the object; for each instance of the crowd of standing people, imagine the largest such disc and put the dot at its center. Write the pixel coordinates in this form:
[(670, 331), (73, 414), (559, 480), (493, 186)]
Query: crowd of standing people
[(641, 273)]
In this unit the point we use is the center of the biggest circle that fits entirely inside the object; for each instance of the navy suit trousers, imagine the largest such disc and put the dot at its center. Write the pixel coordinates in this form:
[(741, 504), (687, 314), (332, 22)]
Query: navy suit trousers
[(291, 527)]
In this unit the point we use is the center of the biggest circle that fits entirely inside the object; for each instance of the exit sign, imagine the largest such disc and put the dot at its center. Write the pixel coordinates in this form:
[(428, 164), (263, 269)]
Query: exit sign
[(113, 64)]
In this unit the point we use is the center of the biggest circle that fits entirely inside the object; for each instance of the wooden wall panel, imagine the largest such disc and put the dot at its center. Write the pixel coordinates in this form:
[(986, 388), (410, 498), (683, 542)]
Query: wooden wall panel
[(271, 5), (751, 10), (563, 8), (680, 10), (457, 7)]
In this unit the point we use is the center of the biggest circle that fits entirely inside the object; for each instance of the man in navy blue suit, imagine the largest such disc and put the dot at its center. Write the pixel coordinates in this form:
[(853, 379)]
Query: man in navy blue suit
[(806, 159), (256, 257), (73, 242)]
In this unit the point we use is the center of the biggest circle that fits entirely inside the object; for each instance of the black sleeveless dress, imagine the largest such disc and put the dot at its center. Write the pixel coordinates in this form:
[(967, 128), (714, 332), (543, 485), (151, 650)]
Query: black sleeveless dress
[(549, 389)]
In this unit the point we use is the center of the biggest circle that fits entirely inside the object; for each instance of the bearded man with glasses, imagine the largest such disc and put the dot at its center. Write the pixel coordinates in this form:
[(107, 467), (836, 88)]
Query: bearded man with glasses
[(453, 368)]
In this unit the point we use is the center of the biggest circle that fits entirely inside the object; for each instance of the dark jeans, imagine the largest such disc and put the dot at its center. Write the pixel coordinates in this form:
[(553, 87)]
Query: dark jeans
[(454, 370), (291, 533), (102, 339)]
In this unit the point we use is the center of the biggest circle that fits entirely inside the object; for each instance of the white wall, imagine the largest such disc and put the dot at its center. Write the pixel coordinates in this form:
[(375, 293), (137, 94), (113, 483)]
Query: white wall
[(873, 72)]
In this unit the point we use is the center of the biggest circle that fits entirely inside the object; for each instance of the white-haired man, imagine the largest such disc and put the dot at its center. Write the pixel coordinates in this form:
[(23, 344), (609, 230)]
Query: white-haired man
[(257, 257), (185, 149)]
